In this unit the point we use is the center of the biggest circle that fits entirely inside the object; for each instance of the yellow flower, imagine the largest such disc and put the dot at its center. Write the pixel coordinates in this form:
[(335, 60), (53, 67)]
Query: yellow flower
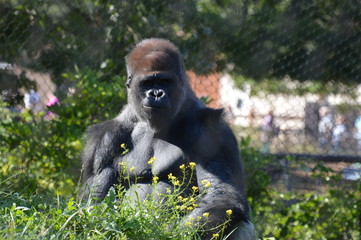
[(132, 169), (206, 183), (182, 166), (171, 177), (155, 179), (182, 207), (125, 150), (189, 208), (188, 223), (180, 198), (215, 235), (195, 205), (121, 164), (229, 212), (151, 160), (192, 165), (199, 218), (169, 190), (176, 183), (206, 214), (195, 188)]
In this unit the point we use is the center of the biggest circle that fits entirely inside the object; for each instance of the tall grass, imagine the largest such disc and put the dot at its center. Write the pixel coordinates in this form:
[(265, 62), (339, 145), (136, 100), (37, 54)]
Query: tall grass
[(116, 217)]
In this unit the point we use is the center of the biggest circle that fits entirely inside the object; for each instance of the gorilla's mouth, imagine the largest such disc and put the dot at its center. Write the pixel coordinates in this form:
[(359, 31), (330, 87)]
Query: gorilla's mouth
[(153, 107)]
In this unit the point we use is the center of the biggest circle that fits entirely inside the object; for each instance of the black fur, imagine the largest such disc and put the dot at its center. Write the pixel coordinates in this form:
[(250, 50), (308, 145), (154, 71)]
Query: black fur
[(164, 119)]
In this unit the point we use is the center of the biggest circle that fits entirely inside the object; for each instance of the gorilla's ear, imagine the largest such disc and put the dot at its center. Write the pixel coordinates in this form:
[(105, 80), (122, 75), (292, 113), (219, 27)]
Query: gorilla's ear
[(129, 79)]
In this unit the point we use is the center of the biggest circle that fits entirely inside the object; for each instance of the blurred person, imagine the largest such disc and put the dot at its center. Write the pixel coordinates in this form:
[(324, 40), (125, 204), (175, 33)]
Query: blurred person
[(358, 130), (32, 101), (338, 133), (325, 126), (268, 130)]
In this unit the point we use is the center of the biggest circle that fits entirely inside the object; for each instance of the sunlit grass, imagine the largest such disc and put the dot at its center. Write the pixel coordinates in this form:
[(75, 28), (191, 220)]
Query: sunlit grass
[(159, 217)]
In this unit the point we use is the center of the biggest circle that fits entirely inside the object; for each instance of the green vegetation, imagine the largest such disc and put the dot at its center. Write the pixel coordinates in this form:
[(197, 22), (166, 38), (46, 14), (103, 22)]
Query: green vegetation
[(330, 214), (82, 45), (316, 41), (38, 217), (38, 155), (116, 217), (39, 176)]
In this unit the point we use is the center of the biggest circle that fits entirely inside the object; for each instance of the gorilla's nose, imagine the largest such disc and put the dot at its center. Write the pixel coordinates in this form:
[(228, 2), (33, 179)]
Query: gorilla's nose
[(155, 93)]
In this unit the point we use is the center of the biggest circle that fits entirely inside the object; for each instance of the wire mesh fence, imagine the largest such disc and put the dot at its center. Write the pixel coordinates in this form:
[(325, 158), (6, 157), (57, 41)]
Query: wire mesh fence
[(287, 73)]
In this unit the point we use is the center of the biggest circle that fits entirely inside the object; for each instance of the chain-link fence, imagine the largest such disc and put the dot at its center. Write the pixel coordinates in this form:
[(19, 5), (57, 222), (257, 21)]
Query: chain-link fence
[(286, 72)]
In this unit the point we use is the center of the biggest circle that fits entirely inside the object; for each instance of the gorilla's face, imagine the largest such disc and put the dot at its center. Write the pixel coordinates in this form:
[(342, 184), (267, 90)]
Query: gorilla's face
[(156, 89)]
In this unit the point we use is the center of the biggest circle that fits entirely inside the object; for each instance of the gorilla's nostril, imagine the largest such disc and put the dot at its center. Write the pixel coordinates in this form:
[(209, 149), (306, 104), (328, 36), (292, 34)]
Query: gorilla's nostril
[(159, 93), (155, 93)]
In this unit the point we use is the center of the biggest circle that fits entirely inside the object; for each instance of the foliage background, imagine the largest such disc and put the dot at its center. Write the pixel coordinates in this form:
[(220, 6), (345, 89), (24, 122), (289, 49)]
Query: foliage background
[(82, 45)]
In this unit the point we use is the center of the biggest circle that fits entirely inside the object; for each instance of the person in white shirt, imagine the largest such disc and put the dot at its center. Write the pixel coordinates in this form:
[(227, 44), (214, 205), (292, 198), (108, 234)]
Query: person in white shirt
[(325, 127), (338, 133)]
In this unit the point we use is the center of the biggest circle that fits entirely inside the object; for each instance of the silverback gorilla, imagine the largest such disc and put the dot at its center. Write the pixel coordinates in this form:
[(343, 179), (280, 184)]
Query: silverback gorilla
[(165, 121)]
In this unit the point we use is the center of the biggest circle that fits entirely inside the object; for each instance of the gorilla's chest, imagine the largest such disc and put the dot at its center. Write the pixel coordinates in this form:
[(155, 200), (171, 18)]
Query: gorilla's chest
[(151, 157)]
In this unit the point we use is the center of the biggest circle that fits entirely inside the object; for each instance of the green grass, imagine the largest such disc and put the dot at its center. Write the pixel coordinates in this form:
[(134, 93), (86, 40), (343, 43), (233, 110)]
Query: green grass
[(332, 214), (279, 216), (118, 216), (43, 217)]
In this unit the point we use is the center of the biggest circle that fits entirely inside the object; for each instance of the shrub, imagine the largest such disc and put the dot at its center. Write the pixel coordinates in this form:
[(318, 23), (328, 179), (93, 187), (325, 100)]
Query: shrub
[(39, 155), (333, 214)]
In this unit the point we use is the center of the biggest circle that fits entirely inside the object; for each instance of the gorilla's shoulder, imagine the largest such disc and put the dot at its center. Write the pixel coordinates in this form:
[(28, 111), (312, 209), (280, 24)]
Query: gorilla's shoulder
[(212, 117), (101, 128), (121, 124), (208, 118), (211, 132)]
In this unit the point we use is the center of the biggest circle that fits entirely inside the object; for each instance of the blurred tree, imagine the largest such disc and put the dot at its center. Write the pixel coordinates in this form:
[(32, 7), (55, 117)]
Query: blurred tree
[(57, 35), (317, 40), (305, 40)]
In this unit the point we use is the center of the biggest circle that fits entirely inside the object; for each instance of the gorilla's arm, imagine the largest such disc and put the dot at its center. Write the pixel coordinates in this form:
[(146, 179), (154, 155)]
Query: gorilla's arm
[(219, 164), (99, 171)]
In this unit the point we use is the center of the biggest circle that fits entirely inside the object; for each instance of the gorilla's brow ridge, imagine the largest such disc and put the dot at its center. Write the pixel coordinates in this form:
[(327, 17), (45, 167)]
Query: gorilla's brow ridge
[(160, 75)]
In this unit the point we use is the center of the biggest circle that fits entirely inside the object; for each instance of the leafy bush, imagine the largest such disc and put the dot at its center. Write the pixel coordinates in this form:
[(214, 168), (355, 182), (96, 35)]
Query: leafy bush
[(38, 155), (334, 214)]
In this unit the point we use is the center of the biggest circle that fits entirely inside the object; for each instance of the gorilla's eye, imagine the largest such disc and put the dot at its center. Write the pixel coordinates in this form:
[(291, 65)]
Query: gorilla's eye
[(164, 81), (147, 83)]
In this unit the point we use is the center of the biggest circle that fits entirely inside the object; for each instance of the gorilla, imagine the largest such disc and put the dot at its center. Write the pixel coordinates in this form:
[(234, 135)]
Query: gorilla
[(164, 121)]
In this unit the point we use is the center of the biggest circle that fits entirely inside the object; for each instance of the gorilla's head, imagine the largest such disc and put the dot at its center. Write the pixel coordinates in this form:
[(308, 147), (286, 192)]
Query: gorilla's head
[(157, 84)]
